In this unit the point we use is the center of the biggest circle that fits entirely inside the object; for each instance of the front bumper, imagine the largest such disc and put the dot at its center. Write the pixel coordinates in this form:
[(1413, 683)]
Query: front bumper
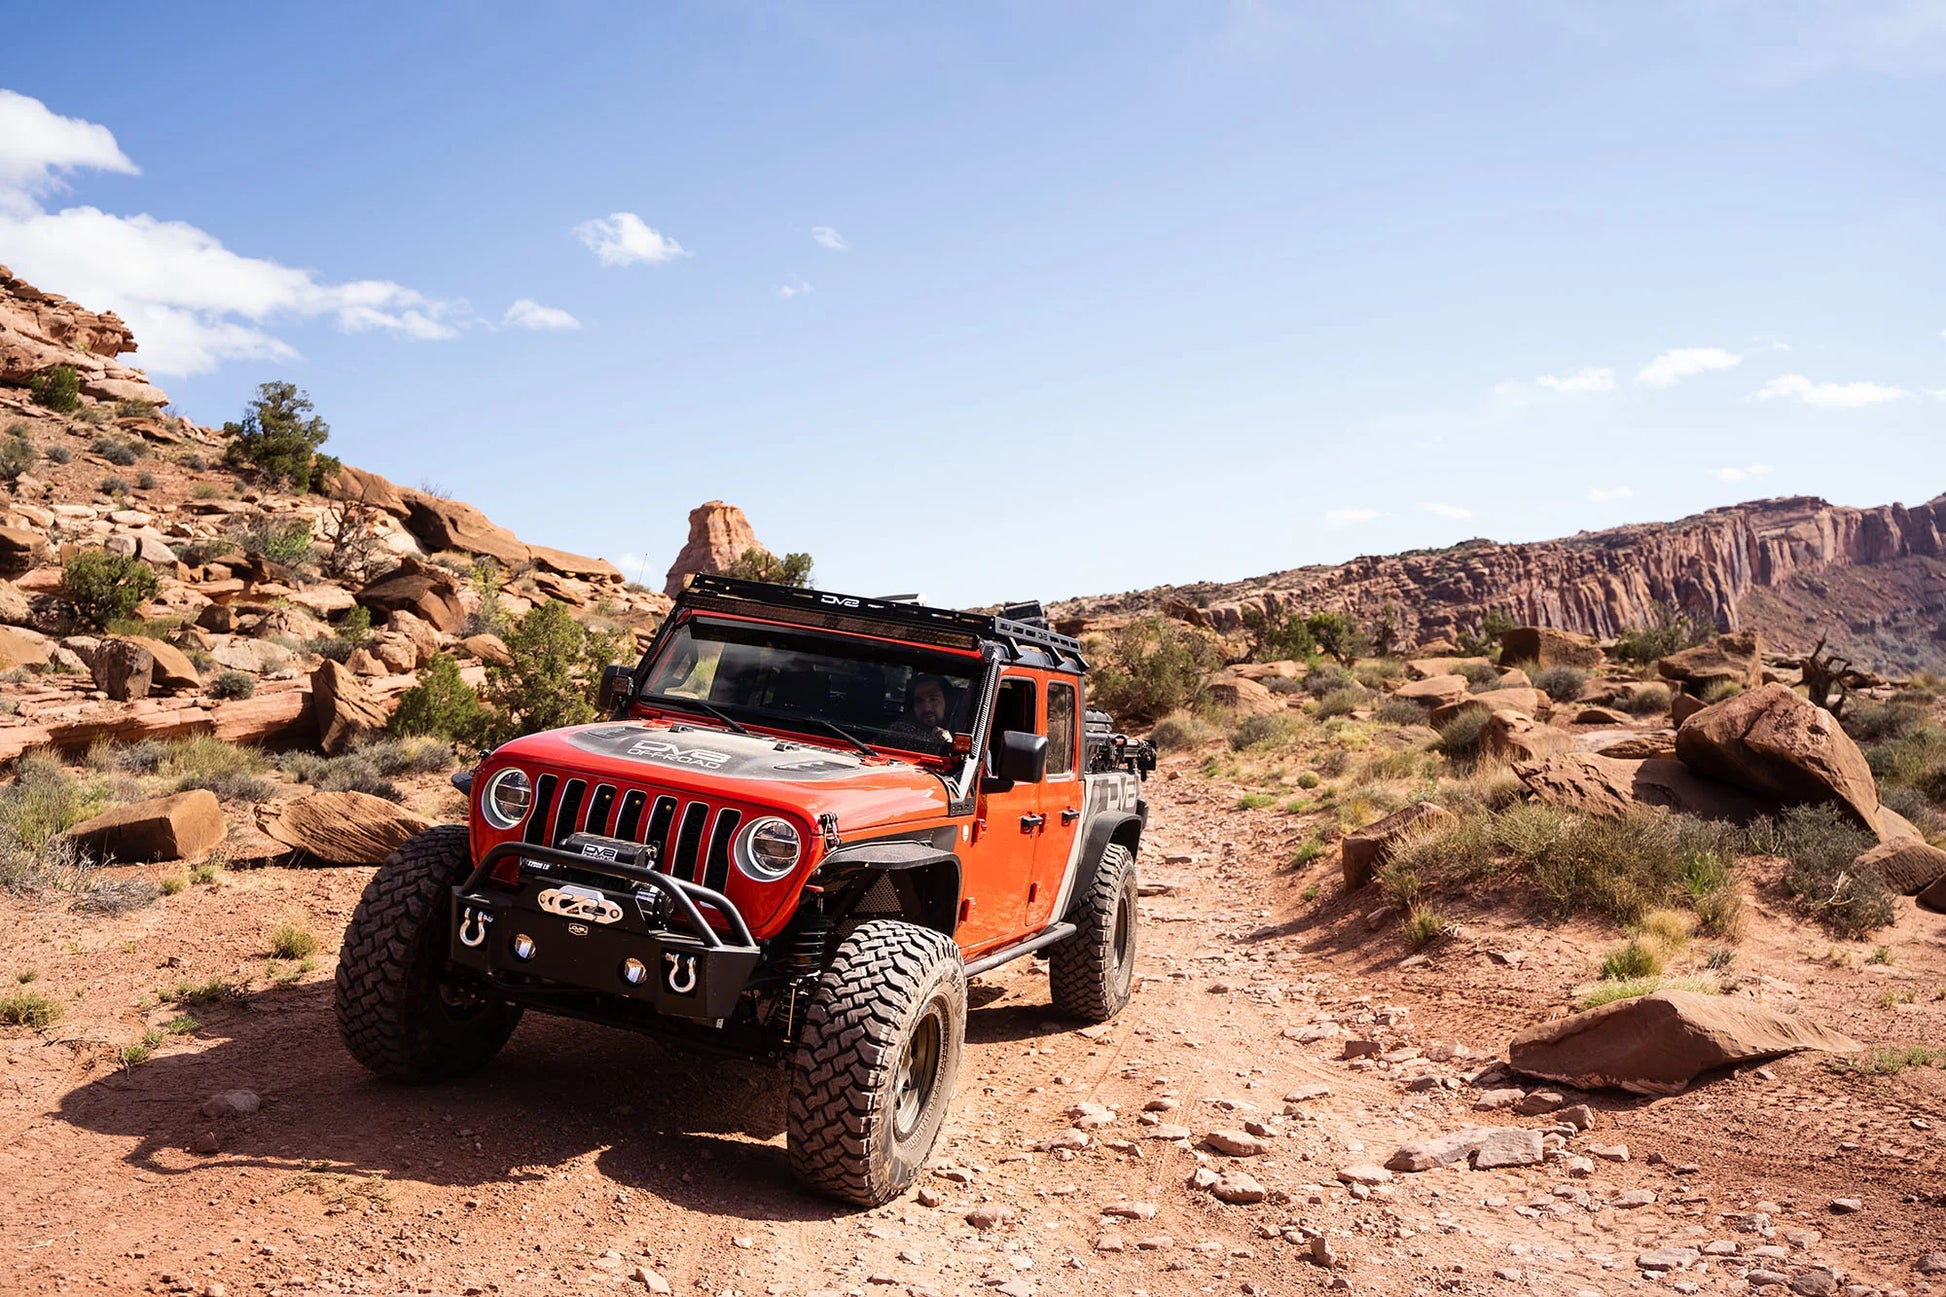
[(579, 923)]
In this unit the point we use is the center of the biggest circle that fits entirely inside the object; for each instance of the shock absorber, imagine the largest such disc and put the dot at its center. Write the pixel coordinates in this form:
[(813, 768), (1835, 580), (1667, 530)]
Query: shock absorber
[(805, 940)]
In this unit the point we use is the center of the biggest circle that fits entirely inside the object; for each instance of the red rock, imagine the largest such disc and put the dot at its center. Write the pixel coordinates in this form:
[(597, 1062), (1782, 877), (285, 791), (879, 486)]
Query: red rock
[(17, 650), (1365, 850), (718, 536), (1548, 647), (455, 525), (341, 828), (1244, 697), (1514, 737), (1909, 865), (1612, 787), (1433, 691), (1781, 747), (345, 713), (428, 593), (1727, 659), (181, 826)]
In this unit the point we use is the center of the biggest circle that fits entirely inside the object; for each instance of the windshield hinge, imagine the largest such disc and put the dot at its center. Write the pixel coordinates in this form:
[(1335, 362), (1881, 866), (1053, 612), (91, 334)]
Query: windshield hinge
[(828, 826)]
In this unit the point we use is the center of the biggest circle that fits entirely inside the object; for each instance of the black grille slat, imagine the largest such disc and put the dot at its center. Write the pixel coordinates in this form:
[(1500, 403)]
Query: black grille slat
[(683, 861), (630, 816), (716, 871), (659, 835), (565, 821), (599, 806), (537, 819)]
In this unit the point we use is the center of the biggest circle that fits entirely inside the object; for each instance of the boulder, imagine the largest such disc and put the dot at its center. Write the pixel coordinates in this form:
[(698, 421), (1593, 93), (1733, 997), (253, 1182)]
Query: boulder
[(1600, 716), (1245, 697), (1433, 691), (1514, 737), (341, 828), (1420, 668), (1657, 1044), (180, 826), (172, 668), (1365, 850), (1934, 897), (427, 592), (15, 610), (350, 483), (1784, 749), (487, 647), (453, 524), (1613, 787), (124, 669), (1640, 747), (1515, 678), (1490, 1147), (345, 713), (1549, 647), (1732, 659), (1909, 865), (1683, 706), (1529, 702), (718, 535), (18, 546), (598, 570), (17, 650)]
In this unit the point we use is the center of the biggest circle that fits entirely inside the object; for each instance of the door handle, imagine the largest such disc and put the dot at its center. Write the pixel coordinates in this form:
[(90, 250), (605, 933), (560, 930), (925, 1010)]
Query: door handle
[(1070, 815), (1031, 823)]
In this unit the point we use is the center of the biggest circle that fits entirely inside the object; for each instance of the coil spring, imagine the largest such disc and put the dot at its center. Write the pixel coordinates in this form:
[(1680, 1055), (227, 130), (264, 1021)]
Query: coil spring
[(805, 940)]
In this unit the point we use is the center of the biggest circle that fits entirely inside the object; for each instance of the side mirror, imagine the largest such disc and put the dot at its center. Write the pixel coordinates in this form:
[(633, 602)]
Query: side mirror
[(617, 687), (1022, 758)]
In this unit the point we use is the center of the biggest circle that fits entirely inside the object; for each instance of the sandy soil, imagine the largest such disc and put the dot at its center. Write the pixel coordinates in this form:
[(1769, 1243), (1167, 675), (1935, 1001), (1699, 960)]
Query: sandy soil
[(591, 1160)]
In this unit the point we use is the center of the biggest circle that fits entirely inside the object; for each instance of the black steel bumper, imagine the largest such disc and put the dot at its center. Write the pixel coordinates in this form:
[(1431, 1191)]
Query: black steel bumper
[(640, 935)]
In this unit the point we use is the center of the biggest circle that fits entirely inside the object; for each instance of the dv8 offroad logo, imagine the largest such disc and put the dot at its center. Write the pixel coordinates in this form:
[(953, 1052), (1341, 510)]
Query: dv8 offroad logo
[(663, 750)]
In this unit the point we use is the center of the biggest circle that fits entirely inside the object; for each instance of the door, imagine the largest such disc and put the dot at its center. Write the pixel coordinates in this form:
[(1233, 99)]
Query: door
[(1060, 803), (997, 863)]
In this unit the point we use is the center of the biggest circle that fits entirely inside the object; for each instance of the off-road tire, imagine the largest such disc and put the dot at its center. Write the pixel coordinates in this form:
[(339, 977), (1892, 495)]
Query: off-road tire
[(1092, 973), (397, 1013), (857, 1130)]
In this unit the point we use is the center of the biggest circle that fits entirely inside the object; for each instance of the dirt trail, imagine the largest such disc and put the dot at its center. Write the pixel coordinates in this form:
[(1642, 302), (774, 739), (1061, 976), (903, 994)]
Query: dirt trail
[(585, 1155)]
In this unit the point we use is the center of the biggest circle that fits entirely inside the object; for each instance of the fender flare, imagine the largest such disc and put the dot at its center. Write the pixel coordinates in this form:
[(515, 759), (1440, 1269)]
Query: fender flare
[(1124, 827), (935, 873)]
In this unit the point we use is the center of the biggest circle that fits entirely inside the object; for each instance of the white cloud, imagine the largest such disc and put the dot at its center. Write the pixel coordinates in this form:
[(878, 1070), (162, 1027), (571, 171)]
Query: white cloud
[(1829, 396), (192, 302), (1452, 511), (39, 146), (1582, 382), (1679, 363), (1603, 493), (826, 237), (624, 239), (530, 314), (793, 288), (1744, 473), (1349, 517)]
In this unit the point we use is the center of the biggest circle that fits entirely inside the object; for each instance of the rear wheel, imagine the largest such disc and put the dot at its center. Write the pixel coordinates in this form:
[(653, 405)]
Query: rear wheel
[(876, 1061), (399, 1011), (1092, 973)]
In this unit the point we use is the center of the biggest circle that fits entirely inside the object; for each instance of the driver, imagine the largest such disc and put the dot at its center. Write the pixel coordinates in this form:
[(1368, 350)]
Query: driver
[(924, 724), (676, 672)]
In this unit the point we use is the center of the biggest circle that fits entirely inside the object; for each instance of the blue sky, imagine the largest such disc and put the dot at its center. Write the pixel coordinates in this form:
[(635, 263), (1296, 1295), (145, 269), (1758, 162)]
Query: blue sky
[(1014, 300)]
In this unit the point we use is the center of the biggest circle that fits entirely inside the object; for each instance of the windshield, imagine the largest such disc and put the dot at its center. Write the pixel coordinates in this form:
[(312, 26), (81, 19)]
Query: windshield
[(876, 694)]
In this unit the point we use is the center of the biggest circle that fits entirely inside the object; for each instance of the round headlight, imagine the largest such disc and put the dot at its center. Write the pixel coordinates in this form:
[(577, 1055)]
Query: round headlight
[(769, 849), (509, 796)]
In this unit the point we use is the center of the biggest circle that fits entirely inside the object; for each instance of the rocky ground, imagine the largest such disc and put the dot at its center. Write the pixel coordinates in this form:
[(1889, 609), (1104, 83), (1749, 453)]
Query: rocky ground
[(590, 1159)]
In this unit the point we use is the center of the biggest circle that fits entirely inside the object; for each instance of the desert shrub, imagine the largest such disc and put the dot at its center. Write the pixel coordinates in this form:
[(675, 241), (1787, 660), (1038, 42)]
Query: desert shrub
[(1483, 640), (117, 452), (135, 409), (552, 674), (762, 565), (205, 491), (1636, 959), (1253, 730), (415, 755), (138, 758), (200, 754), (105, 587), (1278, 640), (145, 481), (1378, 672), (42, 801), (1912, 804), (1875, 722), (1284, 685), (1149, 668), (287, 541), (24, 1008), (1652, 701), (1480, 675), (1323, 680), (353, 772), (441, 704), (112, 485), (1917, 762), (1669, 630), (1460, 736), (1256, 801), (279, 436), (292, 942), (1400, 711), (56, 388), (233, 684), (206, 550), (16, 457), (1709, 889), (1608, 992), (230, 786), (1561, 683), (490, 618), (1821, 843), (1340, 702), (1718, 690), (58, 454), (1338, 636), (1308, 780), (350, 549), (355, 626), (1422, 927)]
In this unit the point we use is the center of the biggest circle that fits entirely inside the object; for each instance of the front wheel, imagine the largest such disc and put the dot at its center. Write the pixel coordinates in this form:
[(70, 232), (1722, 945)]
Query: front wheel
[(1092, 973), (399, 1012), (876, 1062)]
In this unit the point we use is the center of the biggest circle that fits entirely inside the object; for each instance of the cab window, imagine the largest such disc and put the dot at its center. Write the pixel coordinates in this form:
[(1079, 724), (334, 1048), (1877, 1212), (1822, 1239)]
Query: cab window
[(1060, 729), (1013, 709)]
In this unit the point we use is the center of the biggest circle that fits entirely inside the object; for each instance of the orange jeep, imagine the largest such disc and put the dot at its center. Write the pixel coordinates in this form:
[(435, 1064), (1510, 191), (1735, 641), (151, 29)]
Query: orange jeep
[(810, 820)]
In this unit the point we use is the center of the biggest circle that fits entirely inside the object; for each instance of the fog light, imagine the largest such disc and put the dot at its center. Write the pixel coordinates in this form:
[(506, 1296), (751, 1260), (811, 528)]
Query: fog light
[(523, 947), (634, 972)]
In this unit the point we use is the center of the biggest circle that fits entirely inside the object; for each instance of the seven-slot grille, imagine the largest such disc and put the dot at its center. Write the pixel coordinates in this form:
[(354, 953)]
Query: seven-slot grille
[(691, 837)]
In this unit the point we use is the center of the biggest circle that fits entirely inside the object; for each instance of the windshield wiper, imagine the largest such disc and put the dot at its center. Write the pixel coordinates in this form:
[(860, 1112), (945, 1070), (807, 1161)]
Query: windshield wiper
[(697, 704), (831, 728)]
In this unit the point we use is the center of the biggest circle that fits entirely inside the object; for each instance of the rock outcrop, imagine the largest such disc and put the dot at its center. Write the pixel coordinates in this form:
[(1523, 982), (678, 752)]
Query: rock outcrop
[(1779, 746), (342, 828), (180, 826), (718, 535), (39, 330), (1601, 583)]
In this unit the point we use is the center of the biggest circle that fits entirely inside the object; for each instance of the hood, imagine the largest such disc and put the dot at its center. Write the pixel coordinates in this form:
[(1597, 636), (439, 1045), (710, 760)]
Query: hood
[(863, 792)]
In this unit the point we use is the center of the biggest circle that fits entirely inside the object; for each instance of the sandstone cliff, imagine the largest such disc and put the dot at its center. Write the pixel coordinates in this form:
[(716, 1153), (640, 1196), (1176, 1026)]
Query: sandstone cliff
[(1756, 564), (718, 536), (38, 330)]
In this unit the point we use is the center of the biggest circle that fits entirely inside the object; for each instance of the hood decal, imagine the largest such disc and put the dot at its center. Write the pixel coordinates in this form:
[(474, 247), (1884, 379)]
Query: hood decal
[(734, 756)]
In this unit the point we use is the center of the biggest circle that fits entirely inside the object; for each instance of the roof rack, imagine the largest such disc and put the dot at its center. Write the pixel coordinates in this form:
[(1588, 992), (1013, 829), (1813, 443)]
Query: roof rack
[(946, 627)]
